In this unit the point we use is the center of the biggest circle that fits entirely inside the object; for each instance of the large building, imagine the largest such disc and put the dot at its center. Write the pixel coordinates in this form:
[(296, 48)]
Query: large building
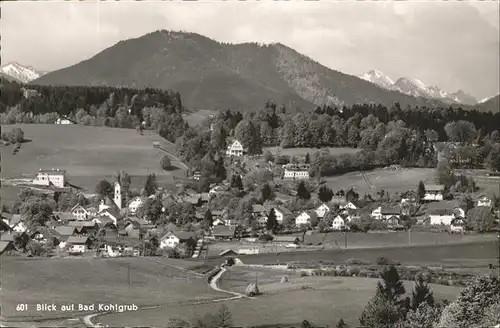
[(296, 172), (235, 148), (54, 177)]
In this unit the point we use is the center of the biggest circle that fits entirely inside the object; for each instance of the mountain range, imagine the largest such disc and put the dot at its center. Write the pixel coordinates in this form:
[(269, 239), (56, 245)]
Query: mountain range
[(214, 75), (20, 73), (415, 87)]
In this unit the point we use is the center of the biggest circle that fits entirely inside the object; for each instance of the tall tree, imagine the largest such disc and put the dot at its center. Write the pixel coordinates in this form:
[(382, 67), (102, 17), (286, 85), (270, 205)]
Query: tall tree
[(150, 185), (272, 223), (236, 182), (302, 191), (325, 194), (265, 192), (208, 219), (341, 324), (421, 191), (421, 292), (104, 188)]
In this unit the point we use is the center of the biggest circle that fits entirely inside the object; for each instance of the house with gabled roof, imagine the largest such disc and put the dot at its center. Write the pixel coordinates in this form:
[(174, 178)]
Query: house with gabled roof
[(83, 227), (111, 212), (224, 232), (171, 239), (483, 200), (434, 192), (258, 210), (64, 216), (442, 213), (65, 231), (458, 225), (134, 204), (339, 223), (4, 226), (6, 247), (322, 210), (78, 244), (282, 213), (17, 223), (305, 218), (234, 148), (80, 212)]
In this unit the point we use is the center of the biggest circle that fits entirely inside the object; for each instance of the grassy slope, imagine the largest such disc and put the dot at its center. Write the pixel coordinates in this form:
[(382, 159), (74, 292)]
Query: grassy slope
[(88, 154), (311, 151), (325, 301), (92, 281)]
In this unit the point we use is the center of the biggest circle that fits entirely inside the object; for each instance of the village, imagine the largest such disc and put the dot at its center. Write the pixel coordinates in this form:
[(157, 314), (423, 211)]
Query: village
[(116, 225)]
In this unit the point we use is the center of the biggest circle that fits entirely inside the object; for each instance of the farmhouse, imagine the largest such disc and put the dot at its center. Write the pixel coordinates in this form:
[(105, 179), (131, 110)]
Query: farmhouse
[(224, 232), (235, 148), (322, 210), (83, 227), (409, 197), (296, 171), (64, 216), (458, 225), (78, 244), (134, 204), (393, 222), (433, 193), (338, 223), (172, 239), (484, 200), (53, 177), (385, 212), (348, 206), (280, 212), (80, 212), (64, 120), (258, 210), (112, 212), (305, 218), (17, 224), (65, 232)]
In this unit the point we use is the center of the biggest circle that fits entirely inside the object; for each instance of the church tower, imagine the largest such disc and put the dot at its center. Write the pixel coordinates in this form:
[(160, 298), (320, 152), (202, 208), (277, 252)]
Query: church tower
[(118, 195)]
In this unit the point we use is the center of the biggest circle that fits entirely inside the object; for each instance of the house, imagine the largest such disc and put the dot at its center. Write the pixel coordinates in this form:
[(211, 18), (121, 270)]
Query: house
[(53, 177), (286, 239), (194, 200), (80, 212), (64, 120), (434, 193), (224, 232), (348, 206), (64, 217), (393, 222), (261, 221), (258, 210), (134, 204), (172, 239), (458, 225), (281, 213), (83, 227), (196, 175), (441, 213), (78, 244), (322, 210), (409, 197), (296, 171), (205, 197), (17, 224), (228, 252), (385, 212), (305, 218), (235, 148), (484, 200), (111, 212), (338, 223), (6, 247), (104, 221), (65, 232)]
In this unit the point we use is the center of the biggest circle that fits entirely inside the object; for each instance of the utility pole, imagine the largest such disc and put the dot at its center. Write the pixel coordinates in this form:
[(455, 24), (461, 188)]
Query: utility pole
[(345, 235), (129, 278), (409, 236)]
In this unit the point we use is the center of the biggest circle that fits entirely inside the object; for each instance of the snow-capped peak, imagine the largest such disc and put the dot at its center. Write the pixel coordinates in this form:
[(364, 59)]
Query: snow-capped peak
[(19, 72), (378, 78), (484, 100)]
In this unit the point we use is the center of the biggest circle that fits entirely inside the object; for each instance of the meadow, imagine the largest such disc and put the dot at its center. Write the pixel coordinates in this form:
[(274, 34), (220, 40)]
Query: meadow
[(321, 300), (197, 117), (90, 154), (91, 281)]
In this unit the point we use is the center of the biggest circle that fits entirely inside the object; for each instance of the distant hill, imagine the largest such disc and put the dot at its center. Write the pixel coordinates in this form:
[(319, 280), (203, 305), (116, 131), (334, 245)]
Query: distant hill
[(20, 73), (492, 104), (212, 75)]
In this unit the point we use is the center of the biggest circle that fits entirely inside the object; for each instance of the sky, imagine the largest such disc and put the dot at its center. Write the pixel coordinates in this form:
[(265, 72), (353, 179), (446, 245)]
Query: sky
[(454, 45)]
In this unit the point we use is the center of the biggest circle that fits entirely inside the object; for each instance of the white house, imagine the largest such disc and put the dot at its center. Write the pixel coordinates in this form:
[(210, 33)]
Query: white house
[(64, 120), (434, 192), (235, 149), (261, 221), (53, 177), (338, 223), (441, 216), (322, 210), (111, 213), (78, 244), (172, 239), (280, 212), (80, 212), (348, 206), (457, 225), (17, 224), (305, 218), (484, 201), (134, 204), (384, 213), (296, 172)]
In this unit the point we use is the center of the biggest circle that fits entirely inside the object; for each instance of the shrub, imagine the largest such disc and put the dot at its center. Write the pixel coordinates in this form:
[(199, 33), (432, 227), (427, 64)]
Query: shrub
[(382, 260), (304, 274), (355, 261), (165, 163)]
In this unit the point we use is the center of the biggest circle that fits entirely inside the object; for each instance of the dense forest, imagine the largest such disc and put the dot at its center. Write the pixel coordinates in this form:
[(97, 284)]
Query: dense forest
[(386, 135)]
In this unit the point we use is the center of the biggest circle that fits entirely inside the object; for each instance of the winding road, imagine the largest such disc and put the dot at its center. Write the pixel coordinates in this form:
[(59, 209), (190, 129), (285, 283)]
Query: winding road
[(88, 319)]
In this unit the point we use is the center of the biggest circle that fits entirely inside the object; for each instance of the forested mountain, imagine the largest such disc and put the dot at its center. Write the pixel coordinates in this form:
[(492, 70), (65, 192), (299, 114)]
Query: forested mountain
[(214, 75), (492, 105)]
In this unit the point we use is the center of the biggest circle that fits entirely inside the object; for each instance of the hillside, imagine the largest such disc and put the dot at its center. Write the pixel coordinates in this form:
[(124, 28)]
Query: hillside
[(492, 104), (212, 75), (88, 153)]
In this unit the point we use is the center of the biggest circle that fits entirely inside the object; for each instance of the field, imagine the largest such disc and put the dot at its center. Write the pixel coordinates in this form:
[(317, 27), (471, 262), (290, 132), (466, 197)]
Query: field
[(311, 151), (89, 154), (321, 300), (93, 281), (336, 240), (195, 118), (472, 254)]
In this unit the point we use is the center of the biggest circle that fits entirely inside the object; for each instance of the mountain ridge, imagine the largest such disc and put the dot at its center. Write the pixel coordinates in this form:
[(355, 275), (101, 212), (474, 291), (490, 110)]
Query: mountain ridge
[(214, 75), (21, 73)]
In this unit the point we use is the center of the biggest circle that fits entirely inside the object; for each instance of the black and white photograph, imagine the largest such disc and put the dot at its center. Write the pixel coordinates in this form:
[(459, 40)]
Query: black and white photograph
[(217, 164)]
